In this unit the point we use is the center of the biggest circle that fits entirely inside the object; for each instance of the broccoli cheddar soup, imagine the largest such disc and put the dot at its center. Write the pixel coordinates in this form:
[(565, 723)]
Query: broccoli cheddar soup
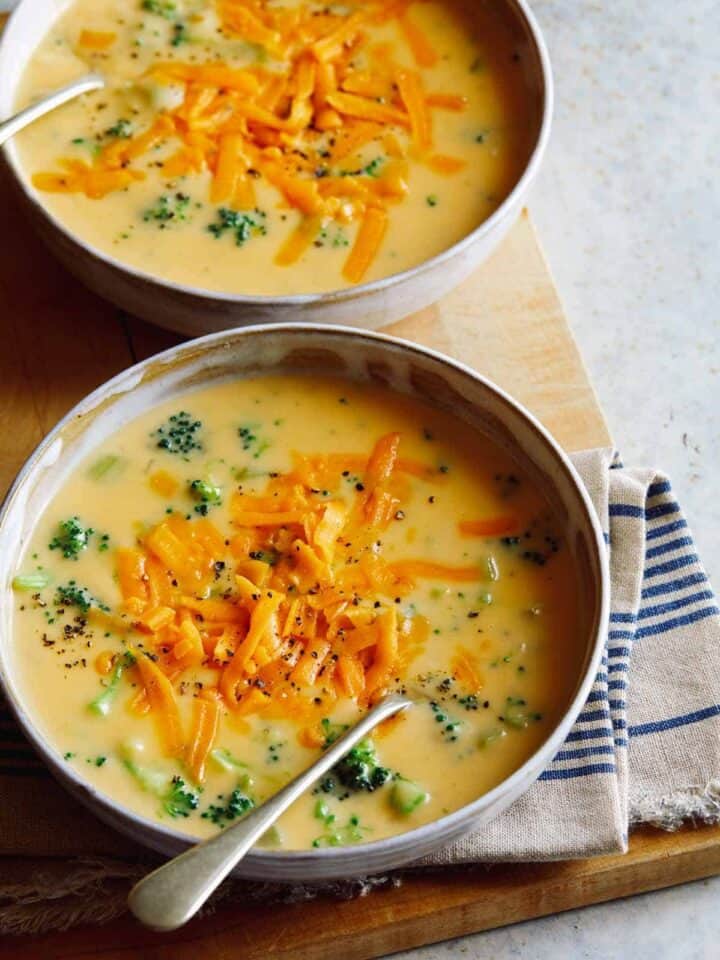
[(278, 146), (231, 579)]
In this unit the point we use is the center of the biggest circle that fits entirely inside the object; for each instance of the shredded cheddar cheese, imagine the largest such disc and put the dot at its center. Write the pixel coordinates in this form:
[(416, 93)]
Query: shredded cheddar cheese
[(291, 119)]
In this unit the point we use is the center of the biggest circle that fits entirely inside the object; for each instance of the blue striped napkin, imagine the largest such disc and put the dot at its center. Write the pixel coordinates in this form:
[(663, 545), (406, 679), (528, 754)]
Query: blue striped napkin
[(646, 747)]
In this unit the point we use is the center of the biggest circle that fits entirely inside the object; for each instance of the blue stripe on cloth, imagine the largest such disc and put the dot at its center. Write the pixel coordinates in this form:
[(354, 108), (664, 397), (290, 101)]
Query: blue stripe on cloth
[(656, 532), (643, 513), (670, 566), (598, 713), (662, 510), (618, 651), (617, 704), (680, 584), (626, 510), (657, 726), (596, 734), (617, 685), (615, 667), (653, 629), (585, 771), (583, 752), (677, 604), (622, 618), (668, 547), (595, 695), (655, 489)]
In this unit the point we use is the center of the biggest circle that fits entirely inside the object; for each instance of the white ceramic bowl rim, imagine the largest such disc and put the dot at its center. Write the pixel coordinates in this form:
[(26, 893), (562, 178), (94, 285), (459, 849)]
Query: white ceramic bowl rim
[(401, 841), (348, 293)]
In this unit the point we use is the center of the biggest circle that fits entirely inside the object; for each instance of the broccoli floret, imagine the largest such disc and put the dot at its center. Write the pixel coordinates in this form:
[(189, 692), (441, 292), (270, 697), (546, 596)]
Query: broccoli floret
[(73, 595), (180, 800), (71, 539), (360, 769), (237, 805), (177, 798), (122, 129), (241, 225), (161, 8), (207, 495), (179, 434), (168, 209), (102, 703)]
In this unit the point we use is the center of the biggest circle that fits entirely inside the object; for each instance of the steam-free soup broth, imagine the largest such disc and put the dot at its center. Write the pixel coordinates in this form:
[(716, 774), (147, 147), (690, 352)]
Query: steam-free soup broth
[(232, 578)]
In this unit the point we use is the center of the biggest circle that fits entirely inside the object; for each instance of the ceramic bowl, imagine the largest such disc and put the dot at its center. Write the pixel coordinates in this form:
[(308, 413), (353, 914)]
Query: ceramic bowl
[(346, 352), (194, 311)]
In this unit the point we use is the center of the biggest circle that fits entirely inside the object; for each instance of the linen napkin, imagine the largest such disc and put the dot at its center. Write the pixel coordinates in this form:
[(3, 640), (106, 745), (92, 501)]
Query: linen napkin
[(645, 748)]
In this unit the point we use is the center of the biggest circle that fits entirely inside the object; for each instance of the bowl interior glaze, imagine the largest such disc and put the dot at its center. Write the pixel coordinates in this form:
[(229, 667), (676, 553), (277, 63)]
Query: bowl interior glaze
[(402, 366)]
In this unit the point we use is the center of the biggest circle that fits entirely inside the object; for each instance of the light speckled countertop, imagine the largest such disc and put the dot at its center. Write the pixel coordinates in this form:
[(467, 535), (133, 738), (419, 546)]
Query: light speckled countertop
[(628, 210)]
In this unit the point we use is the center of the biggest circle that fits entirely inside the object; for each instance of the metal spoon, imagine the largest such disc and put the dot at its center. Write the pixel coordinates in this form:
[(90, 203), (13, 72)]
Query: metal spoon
[(19, 121), (169, 896)]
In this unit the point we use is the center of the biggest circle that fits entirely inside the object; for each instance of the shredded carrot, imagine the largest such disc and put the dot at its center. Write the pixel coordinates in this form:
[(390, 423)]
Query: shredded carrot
[(367, 243), (423, 52), (445, 165), (446, 101), (351, 105), (206, 719), (467, 670), (302, 129), (163, 705), (489, 527), (164, 483), (312, 611), (131, 574), (419, 569), (412, 94), (298, 241), (96, 39), (104, 662)]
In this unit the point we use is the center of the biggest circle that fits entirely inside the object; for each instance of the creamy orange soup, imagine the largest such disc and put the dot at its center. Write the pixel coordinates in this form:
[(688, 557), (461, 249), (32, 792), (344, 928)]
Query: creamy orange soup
[(231, 579), (275, 148)]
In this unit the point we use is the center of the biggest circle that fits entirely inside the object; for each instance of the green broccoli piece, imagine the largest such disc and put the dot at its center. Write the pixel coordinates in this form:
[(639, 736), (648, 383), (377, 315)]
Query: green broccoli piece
[(161, 8), (207, 494), (73, 595), (102, 703), (241, 225), (360, 769), (179, 800), (31, 581), (237, 806), (407, 796), (168, 209), (71, 539), (179, 434)]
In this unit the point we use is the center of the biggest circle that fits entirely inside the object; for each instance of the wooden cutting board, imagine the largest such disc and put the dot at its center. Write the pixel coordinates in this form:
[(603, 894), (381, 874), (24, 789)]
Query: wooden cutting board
[(59, 341)]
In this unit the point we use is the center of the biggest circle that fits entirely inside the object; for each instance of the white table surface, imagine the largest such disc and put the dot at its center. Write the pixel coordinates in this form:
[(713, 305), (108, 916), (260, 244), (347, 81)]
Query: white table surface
[(628, 209)]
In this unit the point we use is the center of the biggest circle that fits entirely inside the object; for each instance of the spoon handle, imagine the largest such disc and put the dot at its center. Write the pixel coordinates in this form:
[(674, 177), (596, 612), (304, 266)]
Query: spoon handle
[(172, 894), (18, 121)]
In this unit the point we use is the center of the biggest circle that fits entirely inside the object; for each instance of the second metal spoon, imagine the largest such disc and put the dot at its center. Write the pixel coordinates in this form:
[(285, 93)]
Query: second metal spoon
[(169, 896), (19, 121)]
